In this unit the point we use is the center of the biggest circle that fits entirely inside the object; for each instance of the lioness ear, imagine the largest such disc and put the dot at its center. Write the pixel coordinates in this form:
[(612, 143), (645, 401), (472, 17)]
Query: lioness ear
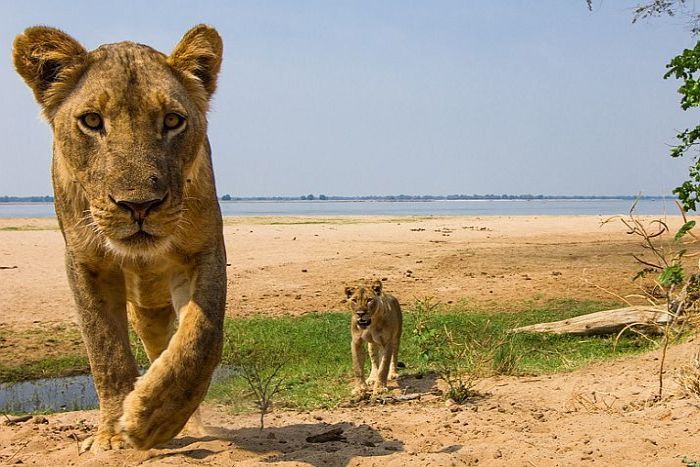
[(199, 54), (50, 61), (377, 287), (349, 291)]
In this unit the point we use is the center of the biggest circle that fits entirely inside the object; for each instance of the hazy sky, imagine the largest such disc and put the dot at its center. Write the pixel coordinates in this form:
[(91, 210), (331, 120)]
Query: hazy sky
[(389, 97)]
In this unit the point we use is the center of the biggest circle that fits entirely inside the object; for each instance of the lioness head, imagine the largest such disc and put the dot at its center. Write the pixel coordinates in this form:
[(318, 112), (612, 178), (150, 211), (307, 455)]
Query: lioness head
[(129, 126), (363, 302)]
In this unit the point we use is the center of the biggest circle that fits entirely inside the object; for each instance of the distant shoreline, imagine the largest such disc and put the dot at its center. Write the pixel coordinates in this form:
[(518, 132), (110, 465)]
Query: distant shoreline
[(387, 198)]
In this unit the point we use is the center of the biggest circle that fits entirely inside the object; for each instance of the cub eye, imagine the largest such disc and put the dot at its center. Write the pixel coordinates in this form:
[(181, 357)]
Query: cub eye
[(173, 121), (92, 120)]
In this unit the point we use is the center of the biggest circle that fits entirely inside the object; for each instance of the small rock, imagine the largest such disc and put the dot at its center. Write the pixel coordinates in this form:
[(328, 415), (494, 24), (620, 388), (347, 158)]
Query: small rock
[(41, 420)]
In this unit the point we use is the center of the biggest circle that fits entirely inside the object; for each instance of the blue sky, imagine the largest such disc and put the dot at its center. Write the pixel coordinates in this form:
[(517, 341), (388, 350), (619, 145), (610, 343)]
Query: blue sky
[(390, 97)]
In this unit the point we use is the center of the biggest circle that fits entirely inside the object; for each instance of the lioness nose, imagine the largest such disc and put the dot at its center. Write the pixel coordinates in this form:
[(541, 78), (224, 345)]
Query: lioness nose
[(140, 209)]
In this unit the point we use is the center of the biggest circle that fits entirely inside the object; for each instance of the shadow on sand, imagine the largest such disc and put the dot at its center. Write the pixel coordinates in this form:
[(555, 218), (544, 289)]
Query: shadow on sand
[(289, 443)]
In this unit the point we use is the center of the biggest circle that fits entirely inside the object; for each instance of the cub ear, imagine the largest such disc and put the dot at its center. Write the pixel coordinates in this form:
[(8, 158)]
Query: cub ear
[(377, 287), (50, 61), (349, 291), (199, 54)]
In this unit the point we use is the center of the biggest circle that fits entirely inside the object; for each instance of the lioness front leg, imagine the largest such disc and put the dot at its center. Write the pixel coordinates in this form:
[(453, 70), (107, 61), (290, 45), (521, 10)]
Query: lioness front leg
[(358, 366), (167, 395), (99, 296), (155, 327)]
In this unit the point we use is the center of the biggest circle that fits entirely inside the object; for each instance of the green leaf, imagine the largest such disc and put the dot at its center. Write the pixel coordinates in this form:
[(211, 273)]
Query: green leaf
[(671, 275), (687, 227)]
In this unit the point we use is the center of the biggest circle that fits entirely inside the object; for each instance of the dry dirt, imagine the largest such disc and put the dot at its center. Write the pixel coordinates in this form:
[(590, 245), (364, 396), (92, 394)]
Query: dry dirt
[(601, 414)]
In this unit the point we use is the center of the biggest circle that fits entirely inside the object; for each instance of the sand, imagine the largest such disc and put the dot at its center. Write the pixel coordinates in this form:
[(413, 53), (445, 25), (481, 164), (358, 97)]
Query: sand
[(600, 414)]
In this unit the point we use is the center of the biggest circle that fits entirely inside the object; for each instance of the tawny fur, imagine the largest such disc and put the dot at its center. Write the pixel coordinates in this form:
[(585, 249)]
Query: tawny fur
[(167, 273), (376, 321)]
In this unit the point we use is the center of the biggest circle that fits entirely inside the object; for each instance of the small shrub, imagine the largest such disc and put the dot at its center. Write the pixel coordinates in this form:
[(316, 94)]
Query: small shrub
[(263, 373)]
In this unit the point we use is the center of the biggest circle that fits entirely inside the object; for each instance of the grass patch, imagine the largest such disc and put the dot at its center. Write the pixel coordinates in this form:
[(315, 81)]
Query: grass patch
[(49, 367), (318, 349)]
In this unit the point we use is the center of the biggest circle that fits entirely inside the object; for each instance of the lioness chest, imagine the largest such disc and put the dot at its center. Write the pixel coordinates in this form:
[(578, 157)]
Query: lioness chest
[(156, 285)]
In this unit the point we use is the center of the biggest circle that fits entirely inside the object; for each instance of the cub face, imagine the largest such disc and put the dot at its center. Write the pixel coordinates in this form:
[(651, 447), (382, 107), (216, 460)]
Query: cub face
[(363, 302), (129, 123)]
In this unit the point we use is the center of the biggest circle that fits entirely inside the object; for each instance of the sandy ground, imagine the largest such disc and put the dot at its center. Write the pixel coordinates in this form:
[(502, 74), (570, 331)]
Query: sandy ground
[(301, 265), (601, 414)]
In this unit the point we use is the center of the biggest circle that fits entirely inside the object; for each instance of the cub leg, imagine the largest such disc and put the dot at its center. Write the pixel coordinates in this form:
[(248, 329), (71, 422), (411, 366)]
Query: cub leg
[(100, 299), (358, 365), (169, 393), (375, 356), (383, 370), (393, 373)]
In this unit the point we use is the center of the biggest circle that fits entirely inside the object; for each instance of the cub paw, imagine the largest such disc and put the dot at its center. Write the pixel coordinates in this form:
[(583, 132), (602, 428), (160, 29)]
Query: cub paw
[(103, 441), (359, 390)]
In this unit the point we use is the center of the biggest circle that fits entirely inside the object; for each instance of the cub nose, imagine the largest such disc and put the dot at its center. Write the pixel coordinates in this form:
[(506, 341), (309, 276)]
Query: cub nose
[(140, 208)]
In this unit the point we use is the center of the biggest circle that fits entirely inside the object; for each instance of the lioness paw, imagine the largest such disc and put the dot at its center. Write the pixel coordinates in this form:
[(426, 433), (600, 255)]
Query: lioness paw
[(103, 441)]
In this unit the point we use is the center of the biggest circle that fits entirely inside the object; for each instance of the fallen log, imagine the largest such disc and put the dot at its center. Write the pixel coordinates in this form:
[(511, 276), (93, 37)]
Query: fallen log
[(605, 322)]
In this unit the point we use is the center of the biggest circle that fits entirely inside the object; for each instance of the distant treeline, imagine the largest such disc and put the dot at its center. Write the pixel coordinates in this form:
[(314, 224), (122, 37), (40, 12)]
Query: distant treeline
[(311, 197)]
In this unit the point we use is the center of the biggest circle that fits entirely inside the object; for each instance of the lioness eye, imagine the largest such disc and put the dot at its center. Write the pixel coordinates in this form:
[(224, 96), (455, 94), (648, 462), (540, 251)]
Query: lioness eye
[(173, 121), (92, 120)]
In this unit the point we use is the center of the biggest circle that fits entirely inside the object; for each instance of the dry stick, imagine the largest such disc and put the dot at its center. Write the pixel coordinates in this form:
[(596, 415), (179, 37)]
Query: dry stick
[(77, 442), (17, 452)]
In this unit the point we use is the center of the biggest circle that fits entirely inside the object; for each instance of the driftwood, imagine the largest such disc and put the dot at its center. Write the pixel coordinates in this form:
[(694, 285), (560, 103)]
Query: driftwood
[(604, 322)]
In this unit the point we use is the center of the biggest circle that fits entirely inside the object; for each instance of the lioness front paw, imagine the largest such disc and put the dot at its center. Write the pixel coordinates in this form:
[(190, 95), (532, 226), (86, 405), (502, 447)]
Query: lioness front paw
[(144, 423), (379, 389), (103, 441)]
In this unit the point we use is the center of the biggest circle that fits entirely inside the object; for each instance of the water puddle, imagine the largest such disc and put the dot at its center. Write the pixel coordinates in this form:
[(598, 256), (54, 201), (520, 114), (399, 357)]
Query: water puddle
[(61, 394)]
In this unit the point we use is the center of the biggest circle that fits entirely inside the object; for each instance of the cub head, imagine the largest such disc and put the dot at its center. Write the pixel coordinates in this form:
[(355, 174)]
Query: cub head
[(129, 127), (363, 302)]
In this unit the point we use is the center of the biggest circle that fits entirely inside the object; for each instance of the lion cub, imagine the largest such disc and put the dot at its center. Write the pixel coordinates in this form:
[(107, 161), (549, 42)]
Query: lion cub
[(377, 320)]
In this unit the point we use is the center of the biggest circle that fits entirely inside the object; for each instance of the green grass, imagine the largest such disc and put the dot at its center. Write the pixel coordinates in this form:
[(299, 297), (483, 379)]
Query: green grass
[(317, 348), (49, 367)]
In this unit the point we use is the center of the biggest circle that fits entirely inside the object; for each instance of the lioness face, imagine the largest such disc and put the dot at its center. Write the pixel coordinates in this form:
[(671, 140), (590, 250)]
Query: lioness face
[(128, 134), (363, 302), (129, 126)]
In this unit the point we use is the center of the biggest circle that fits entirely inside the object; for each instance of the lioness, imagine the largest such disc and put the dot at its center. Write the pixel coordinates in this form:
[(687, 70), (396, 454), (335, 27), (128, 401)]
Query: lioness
[(136, 202), (377, 320)]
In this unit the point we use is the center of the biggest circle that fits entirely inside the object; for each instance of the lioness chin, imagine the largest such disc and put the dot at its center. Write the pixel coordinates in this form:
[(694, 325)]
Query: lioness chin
[(136, 202), (377, 321)]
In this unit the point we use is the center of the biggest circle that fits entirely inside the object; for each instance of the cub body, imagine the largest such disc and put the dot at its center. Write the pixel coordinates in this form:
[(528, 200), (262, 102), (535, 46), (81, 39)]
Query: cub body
[(376, 321)]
